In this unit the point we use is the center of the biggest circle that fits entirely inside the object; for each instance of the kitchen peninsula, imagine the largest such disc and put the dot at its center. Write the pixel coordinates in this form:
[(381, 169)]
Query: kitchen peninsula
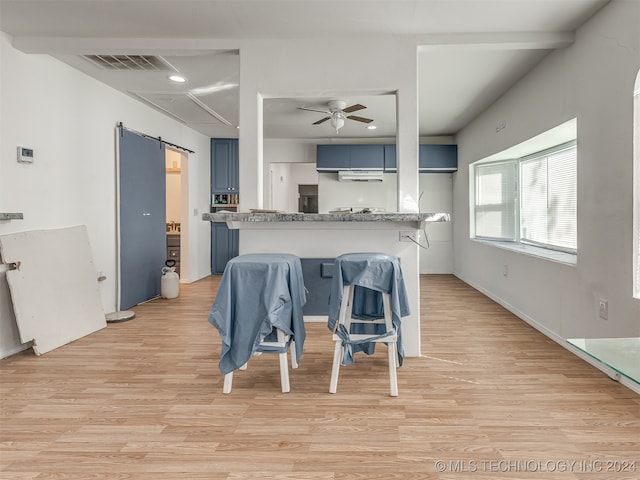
[(313, 235)]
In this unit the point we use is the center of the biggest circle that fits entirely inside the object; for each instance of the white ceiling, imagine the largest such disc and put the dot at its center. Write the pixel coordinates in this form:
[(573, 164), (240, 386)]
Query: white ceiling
[(455, 83)]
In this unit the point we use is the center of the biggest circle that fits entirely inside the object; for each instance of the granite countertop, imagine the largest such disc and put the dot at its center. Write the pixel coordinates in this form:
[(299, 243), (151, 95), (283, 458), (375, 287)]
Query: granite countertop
[(222, 217), (11, 216)]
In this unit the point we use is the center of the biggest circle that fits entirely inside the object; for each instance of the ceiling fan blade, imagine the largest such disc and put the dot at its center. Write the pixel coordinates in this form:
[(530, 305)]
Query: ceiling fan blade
[(354, 108), (322, 120), (313, 110), (360, 119)]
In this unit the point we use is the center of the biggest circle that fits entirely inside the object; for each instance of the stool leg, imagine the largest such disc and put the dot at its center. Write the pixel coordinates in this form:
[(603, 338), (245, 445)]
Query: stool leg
[(392, 349), (337, 359), (284, 366), (349, 291), (284, 373), (294, 358), (228, 380), (344, 305)]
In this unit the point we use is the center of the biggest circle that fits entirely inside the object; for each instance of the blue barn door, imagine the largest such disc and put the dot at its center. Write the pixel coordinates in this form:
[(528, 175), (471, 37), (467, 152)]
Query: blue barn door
[(142, 214)]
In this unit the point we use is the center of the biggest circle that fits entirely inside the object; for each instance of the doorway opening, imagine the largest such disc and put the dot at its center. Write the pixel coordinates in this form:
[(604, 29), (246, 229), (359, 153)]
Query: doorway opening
[(176, 201), (308, 198)]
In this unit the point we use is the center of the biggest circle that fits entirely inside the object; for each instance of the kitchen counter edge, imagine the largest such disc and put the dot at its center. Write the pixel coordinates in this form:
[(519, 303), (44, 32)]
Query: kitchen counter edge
[(223, 217)]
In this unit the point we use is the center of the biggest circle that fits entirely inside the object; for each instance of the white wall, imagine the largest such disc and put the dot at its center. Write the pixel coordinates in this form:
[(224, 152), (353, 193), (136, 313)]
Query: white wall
[(280, 186), (282, 68), (436, 253), (437, 196), (593, 81), (284, 157), (287, 164), (69, 120), (284, 180), (334, 194), (301, 174)]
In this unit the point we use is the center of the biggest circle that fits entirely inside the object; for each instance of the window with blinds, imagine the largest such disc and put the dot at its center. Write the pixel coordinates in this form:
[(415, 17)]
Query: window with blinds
[(495, 194), (548, 203), (529, 200)]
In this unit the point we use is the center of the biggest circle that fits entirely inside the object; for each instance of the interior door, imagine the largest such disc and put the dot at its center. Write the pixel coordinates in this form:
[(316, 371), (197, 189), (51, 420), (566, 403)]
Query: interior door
[(142, 217)]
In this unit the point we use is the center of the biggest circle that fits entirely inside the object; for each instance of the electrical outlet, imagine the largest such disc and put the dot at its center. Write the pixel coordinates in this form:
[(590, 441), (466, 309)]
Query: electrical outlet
[(603, 308), (408, 236)]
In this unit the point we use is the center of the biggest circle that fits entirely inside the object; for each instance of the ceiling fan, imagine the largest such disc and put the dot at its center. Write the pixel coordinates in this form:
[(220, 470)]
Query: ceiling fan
[(338, 112)]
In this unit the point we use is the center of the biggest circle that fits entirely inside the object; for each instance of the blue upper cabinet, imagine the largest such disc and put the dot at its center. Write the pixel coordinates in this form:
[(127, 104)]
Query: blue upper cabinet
[(433, 158), (367, 157), (224, 165), (390, 164), (438, 158), (332, 158), (224, 181)]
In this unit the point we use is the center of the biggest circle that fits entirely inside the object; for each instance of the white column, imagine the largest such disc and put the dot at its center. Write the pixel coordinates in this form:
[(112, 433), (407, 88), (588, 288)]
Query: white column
[(408, 138), (250, 136)]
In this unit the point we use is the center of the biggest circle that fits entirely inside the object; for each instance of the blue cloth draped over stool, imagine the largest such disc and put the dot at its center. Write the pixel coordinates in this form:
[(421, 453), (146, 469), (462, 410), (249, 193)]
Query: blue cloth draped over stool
[(258, 292), (371, 273)]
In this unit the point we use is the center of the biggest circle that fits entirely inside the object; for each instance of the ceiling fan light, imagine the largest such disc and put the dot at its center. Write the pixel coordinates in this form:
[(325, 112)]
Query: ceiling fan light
[(337, 122)]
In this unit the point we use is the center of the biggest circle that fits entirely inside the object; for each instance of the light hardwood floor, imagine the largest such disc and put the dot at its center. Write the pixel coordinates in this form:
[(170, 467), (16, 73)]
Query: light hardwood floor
[(490, 398)]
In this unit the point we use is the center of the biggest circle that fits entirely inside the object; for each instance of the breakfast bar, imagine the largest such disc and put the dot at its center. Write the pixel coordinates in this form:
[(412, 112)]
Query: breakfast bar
[(312, 235)]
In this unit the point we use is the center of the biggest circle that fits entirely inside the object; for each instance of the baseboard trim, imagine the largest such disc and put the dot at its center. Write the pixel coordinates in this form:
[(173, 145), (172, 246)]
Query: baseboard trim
[(16, 349)]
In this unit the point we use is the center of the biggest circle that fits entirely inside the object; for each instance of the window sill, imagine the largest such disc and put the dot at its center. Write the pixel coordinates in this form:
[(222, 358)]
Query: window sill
[(552, 255)]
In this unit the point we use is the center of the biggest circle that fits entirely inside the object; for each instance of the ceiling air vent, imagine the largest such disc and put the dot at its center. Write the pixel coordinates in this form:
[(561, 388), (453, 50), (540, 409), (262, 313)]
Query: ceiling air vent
[(130, 62)]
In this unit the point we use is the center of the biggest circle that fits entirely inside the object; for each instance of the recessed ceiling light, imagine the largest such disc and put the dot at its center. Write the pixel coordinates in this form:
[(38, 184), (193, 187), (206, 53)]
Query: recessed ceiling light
[(177, 78), (371, 127)]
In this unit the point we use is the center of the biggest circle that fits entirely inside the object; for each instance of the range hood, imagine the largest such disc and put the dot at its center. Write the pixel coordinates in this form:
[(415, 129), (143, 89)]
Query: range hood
[(360, 176)]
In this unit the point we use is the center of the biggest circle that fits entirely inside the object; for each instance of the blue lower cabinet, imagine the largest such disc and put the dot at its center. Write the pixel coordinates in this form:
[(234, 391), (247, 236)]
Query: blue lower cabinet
[(438, 158), (224, 246), (317, 273)]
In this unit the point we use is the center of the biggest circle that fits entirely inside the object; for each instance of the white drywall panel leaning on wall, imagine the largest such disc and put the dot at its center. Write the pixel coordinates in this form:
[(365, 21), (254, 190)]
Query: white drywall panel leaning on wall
[(53, 286)]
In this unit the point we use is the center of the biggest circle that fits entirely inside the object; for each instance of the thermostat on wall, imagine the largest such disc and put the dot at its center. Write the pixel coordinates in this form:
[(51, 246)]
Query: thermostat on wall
[(25, 155)]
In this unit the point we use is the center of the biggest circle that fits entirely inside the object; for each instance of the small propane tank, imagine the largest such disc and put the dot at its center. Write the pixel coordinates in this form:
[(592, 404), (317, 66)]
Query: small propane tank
[(170, 281)]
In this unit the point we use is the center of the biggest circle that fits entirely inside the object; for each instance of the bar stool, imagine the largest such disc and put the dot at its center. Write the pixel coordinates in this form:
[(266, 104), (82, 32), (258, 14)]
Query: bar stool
[(368, 299), (258, 308)]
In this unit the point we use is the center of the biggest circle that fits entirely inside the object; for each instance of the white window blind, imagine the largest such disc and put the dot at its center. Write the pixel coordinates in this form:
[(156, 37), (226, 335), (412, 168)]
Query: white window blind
[(495, 195), (548, 204)]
